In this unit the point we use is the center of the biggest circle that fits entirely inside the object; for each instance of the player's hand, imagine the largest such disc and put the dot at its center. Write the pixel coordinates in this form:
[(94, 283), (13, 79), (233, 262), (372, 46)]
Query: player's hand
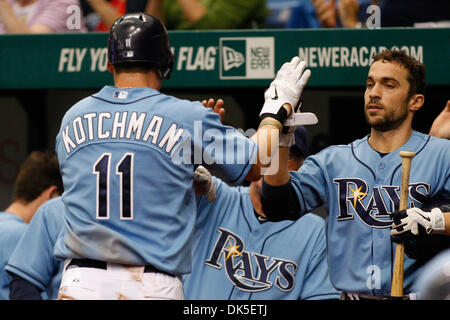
[(204, 184), (286, 88), (441, 125), (411, 222), (216, 108)]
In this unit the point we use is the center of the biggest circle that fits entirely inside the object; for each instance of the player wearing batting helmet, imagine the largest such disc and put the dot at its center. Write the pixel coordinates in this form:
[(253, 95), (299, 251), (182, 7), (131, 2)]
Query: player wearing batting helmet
[(140, 38), (360, 182), (127, 155)]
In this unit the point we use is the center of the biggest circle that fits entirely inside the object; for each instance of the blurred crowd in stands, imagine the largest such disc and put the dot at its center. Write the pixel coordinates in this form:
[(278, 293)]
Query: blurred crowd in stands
[(56, 16)]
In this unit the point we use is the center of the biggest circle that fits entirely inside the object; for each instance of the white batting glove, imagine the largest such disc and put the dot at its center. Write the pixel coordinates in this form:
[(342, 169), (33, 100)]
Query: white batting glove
[(287, 87), (204, 184), (287, 139), (409, 220), (297, 118)]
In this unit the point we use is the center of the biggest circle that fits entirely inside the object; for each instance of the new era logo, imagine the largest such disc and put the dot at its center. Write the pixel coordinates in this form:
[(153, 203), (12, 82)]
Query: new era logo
[(231, 58), (247, 58)]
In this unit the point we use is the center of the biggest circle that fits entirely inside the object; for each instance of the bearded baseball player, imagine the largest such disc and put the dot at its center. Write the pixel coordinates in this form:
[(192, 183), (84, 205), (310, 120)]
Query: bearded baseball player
[(239, 255), (127, 156), (360, 182)]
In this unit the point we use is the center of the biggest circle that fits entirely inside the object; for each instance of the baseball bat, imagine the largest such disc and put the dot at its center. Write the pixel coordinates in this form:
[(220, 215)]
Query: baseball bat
[(397, 274)]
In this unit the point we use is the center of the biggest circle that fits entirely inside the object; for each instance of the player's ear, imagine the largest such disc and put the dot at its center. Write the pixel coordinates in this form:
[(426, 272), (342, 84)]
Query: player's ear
[(110, 67), (416, 102), (50, 192)]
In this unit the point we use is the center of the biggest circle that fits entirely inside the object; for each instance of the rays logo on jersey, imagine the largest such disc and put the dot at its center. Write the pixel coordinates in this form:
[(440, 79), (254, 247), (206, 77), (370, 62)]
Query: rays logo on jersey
[(247, 58), (354, 198), (242, 270)]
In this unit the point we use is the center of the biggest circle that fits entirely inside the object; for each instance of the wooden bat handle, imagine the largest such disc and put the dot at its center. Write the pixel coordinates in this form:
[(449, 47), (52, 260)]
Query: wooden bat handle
[(397, 275)]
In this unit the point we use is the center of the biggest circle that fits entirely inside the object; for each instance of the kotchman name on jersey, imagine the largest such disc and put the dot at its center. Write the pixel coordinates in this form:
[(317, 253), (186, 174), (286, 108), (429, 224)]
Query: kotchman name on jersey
[(247, 273), (354, 198)]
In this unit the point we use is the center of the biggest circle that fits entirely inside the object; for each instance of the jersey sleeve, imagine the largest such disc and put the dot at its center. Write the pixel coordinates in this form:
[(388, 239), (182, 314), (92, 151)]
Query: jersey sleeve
[(33, 258), (224, 148), (310, 184), (212, 213), (317, 285), (8, 241)]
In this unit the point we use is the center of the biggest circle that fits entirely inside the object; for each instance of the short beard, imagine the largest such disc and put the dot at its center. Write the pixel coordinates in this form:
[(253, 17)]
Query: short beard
[(390, 122)]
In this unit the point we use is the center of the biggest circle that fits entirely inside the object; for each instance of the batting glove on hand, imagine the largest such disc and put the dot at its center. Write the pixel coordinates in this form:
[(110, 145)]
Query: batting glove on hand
[(204, 184), (287, 87), (287, 138), (410, 222), (300, 118)]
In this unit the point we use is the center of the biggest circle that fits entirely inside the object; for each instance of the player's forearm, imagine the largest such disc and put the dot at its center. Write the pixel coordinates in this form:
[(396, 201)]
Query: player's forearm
[(10, 21), (107, 12), (267, 159), (155, 8), (278, 177), (193, 10), (281, 176), (278, 198)]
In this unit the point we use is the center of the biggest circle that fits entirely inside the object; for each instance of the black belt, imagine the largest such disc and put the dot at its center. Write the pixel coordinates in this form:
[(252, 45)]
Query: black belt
[(89, 263)]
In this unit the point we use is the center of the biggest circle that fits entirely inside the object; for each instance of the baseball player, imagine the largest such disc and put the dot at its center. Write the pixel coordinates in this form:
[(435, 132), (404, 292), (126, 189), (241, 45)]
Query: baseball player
[(239, 254), (34, 269), (38, 181), (127, 156), (360, 182)]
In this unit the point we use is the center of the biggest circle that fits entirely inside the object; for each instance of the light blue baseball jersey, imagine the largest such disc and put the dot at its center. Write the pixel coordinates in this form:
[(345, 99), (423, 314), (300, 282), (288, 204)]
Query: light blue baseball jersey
[(235, 256), (360, 188), (127, 161), (435, 271), (12, 228), (33, 259)]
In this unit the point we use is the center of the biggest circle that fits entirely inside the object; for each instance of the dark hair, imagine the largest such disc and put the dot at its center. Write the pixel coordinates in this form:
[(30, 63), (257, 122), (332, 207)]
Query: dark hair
[(296, 152), (40, 171), (415, 68), (134, 66)]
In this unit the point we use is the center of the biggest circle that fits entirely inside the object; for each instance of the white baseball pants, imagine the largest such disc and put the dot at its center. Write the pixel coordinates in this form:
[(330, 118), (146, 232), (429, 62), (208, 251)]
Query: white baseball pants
[(118, 282)]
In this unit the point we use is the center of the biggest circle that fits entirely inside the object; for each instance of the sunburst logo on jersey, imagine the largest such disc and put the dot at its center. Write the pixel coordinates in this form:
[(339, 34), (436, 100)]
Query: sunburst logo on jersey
[(233, 250), (357, 195)]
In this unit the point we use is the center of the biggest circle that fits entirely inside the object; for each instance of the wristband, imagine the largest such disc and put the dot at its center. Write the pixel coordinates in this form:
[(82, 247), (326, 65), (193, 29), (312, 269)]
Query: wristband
[(274, 122)]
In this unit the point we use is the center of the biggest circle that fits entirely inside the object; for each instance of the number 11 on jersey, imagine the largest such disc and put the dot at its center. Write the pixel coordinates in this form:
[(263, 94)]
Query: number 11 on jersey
[(124, 169)]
